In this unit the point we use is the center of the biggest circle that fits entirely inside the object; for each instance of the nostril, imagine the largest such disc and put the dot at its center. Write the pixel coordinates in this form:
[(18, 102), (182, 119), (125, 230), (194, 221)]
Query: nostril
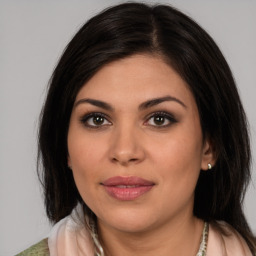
[(124, 161), (114, 159)]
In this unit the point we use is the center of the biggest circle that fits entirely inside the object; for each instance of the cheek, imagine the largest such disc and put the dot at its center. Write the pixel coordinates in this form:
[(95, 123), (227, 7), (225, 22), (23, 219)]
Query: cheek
[(84, 172), (84, 151), (82, 159), (87, 154), (178, 153), (179, 162)]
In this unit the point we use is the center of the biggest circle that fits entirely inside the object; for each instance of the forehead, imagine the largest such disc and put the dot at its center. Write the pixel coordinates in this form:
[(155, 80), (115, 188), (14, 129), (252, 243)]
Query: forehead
[(136, 78)]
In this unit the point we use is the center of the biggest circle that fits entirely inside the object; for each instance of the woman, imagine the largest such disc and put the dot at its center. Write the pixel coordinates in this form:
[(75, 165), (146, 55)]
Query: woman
[(144, 141)]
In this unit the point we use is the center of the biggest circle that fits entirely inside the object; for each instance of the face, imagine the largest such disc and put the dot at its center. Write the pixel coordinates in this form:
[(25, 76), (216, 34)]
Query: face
[(135, 145)]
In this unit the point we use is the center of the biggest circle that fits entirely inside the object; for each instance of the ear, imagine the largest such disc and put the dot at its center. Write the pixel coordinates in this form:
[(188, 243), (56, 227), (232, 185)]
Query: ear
[(208, 155)]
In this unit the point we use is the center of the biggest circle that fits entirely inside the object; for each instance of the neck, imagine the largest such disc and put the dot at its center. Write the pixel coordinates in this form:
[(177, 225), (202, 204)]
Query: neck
[(174, 238)]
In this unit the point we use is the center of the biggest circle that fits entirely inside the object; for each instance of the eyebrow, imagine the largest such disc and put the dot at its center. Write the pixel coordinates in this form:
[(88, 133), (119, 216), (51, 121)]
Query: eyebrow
[(156, 101), (97, 103), (142, 106)]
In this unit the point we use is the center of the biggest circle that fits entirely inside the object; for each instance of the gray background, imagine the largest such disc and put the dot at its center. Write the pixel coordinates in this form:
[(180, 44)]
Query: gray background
[(32, 37)]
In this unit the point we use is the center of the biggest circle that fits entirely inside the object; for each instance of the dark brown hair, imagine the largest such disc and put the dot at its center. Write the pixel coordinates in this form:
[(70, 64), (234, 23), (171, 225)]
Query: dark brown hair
[(131, 28)]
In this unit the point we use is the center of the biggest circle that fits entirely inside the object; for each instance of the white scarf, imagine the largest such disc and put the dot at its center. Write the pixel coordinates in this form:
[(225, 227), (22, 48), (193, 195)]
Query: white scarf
[(70, 237)]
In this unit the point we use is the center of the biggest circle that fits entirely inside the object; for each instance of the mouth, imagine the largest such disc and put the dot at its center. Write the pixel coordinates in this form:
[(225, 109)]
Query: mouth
[(127, 188)]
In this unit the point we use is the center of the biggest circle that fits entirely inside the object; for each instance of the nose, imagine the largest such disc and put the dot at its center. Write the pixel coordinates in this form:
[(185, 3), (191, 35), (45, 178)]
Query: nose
[(126, 146)]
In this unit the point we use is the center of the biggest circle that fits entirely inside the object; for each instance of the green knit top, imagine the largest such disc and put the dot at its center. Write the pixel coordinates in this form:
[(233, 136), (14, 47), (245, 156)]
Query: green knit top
[(39, 249)]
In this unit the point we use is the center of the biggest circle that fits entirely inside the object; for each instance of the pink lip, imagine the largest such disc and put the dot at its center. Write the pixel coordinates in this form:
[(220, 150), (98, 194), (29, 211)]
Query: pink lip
[(127, 188)]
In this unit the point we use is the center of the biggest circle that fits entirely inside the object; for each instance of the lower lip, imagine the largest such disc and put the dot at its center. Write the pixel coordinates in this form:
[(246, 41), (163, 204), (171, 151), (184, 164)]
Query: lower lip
[(127, 194)]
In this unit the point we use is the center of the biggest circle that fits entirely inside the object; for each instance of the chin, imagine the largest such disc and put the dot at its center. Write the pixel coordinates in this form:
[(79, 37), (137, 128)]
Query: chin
[(129, 221)]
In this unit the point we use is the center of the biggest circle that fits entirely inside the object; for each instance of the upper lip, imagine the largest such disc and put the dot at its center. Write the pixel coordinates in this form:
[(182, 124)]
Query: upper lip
[(127, 181)]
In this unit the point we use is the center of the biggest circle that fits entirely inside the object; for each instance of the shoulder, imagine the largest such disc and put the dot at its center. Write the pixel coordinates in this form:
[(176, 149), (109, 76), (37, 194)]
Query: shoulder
[(224, 240), (39, 249)]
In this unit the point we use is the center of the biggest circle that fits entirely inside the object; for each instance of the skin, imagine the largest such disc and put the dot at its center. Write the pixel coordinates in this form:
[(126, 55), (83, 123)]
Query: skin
[(128, 141)]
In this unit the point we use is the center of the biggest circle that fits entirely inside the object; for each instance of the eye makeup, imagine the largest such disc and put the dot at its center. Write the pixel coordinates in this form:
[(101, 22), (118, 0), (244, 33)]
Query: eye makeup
[(95, 120), (157, 120), (160, 119)]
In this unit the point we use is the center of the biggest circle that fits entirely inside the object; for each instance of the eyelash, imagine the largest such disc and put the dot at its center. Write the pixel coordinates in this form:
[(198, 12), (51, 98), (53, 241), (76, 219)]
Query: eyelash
[(167, 117), (84, 120)]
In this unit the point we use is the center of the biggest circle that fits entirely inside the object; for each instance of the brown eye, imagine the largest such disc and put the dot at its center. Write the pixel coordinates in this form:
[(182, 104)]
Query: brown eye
[(98, 120), (95, 120), (161, 120)]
